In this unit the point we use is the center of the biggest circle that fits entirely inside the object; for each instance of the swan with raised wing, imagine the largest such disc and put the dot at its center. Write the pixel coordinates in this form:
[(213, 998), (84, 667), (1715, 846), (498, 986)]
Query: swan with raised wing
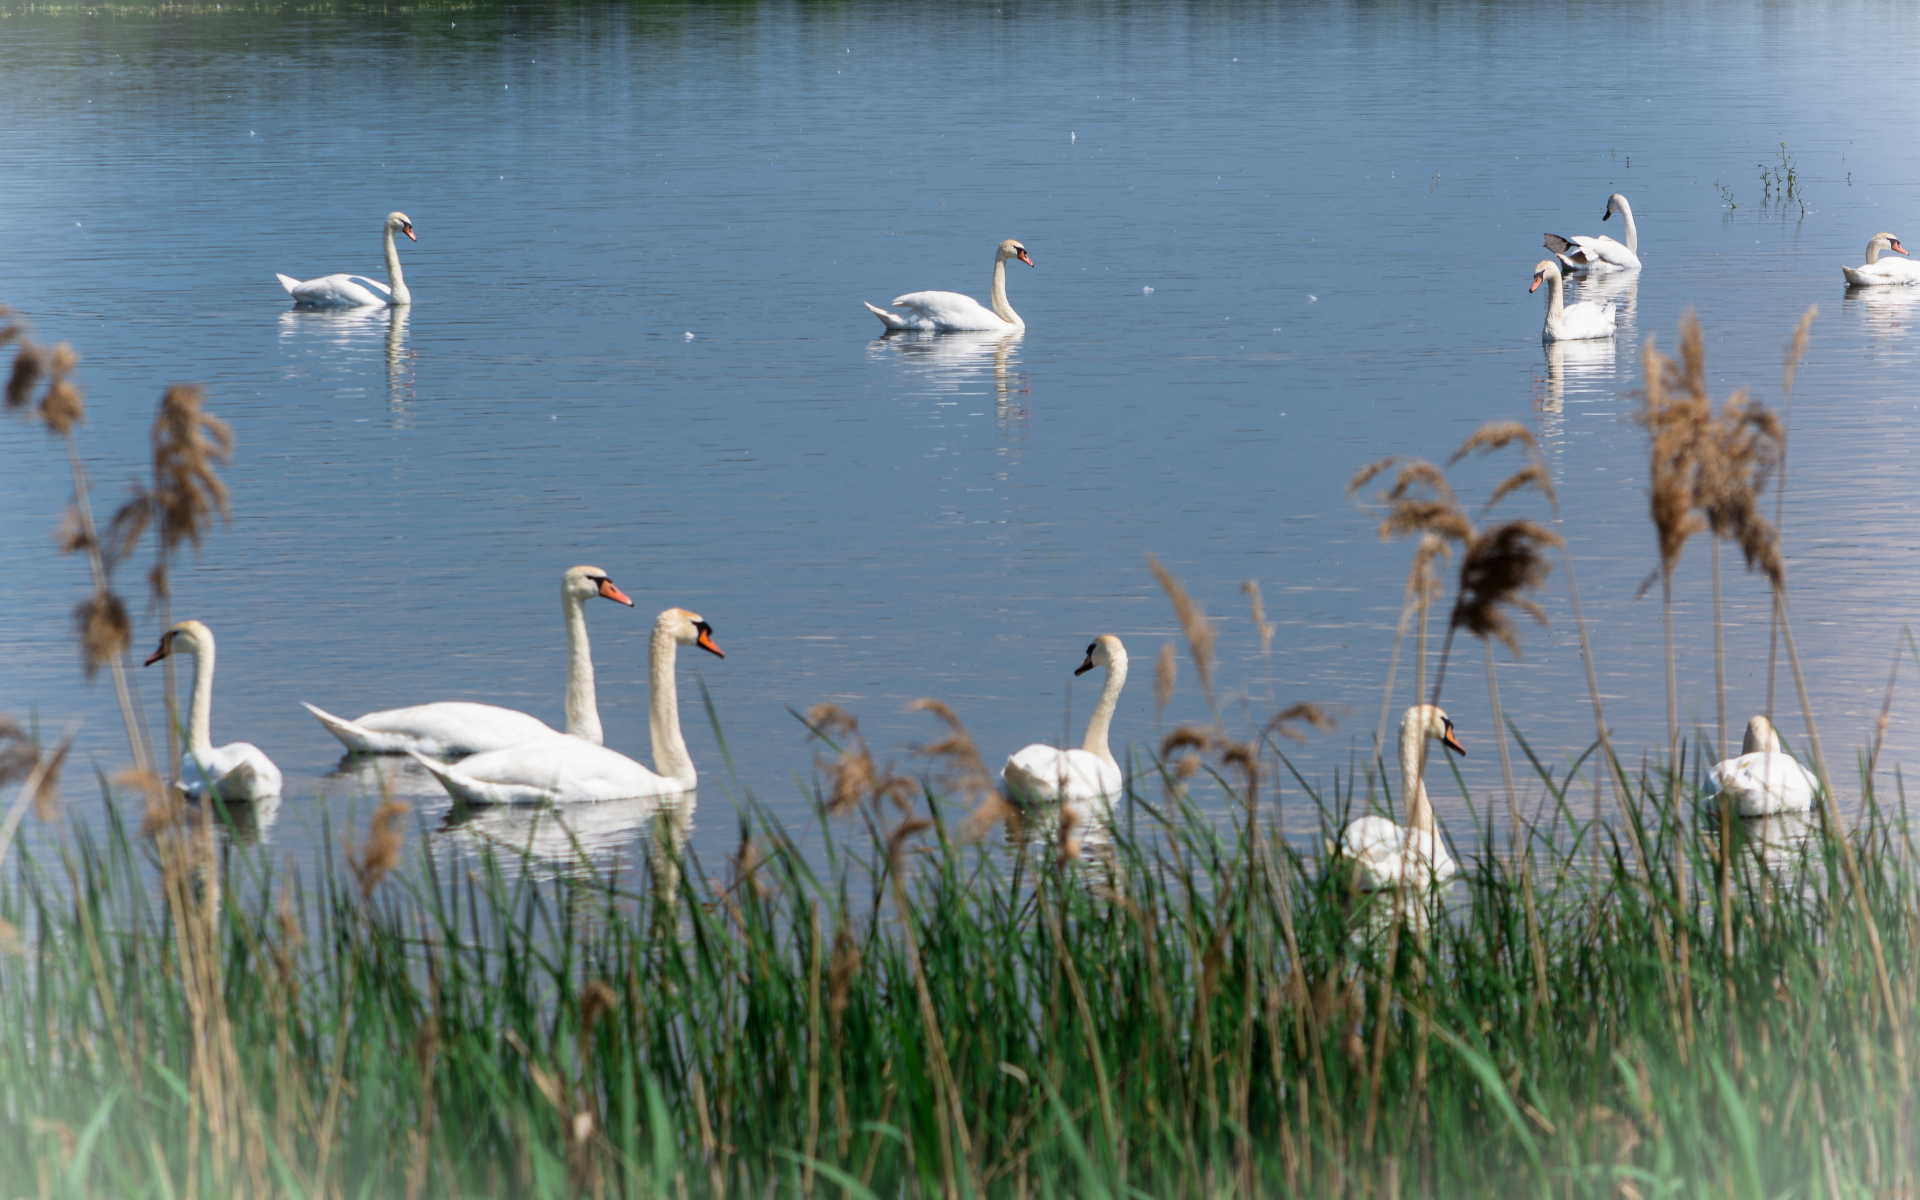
[(1569, 322), (235, 771), (1042, 774), (451, 728), (1765, 779), (939, 312), (355, 291), (559, 770), (1877, 271), (1386, 854), (1600, 253)]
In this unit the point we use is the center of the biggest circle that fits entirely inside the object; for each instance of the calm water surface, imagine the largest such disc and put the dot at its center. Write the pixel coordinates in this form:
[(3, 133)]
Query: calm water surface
[(1273, 243)]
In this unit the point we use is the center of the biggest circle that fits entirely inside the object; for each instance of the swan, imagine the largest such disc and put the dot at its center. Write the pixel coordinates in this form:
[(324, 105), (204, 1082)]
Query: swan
[(452, 728), (353, 291), (1878, 271), (236, 771), (554, 770), (1765, 779), (1385, 854), (937, 312), (1570, 322), (1041, 774), (1600, 253)]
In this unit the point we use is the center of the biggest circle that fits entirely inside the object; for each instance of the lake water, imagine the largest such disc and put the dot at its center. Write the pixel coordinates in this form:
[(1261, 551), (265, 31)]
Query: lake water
[(1272, 243)]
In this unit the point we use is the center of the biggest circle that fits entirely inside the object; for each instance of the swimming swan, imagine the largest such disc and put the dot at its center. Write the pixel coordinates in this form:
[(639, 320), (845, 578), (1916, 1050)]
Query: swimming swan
[(937, 312), (1570, 322), (1600, 253), (1764, 780), (1041, 774), (353, 291), (236, 771), (559, 770), (454, 727), (1878, 271), (1383, 853)]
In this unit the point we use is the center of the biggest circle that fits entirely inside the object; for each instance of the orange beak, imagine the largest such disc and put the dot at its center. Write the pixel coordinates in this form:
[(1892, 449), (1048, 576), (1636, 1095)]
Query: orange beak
[(409, 232), (1453, 743), (1899, 249), (706, 643), (613, 593), (1536, 283), (1029, 262)]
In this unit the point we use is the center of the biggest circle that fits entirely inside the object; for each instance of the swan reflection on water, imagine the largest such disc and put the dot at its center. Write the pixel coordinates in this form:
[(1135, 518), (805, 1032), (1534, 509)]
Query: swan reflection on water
[(562, 837), (1584, 370), (951, 360), (326, 332), (1621, 288), (1779, 843), (245, 822), (1887, 311)]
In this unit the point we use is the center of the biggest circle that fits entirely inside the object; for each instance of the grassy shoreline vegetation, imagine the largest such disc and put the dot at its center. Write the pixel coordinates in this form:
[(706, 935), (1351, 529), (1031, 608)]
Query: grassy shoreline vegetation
[(1631, 994)]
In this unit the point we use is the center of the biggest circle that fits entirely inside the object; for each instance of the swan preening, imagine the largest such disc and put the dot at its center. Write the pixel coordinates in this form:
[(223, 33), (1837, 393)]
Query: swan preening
[(354, 291), (1878, 271), (558, 770), (938, 312), (1765, 779), (452, 728), (1569, 322), (1042, 774), (1600, 253), (236, 771), (1385, 854)]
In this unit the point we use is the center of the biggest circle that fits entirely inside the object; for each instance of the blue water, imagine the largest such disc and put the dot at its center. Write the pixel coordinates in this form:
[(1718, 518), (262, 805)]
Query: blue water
[(1272, 243)]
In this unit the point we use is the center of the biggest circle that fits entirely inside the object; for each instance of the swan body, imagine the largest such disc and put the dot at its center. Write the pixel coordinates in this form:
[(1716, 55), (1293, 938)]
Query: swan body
[(564, 770), (357, 291), (451, 728), (1600, 253), (1569, 322), (1764, 780), (1386, 855), (939, 312), (236, 771), (1041, 774), (1878, 272)]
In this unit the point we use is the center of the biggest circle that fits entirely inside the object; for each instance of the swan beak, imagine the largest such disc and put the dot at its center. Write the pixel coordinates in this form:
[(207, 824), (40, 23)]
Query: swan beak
[(1086, 666), (159, 654), (408, 230), (1536, 283), (705, 641), (1451, 742), (1608, 213), (613, 593), (1023, 257), (1898, 248)]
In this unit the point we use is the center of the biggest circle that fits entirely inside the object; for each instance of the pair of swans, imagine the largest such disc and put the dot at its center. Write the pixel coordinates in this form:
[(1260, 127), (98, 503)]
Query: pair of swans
[(357, 291), (1878, 272), (1764, 780), (943, 312), (236, 771), (452, 728)]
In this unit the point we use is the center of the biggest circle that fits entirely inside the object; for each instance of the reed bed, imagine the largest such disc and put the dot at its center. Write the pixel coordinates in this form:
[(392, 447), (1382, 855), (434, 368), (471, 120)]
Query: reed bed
[(945, 996)]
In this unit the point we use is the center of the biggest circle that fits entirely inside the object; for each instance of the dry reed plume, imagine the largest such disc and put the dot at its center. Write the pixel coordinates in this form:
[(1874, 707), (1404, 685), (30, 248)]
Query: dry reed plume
[(1199, 631), (380, 853)]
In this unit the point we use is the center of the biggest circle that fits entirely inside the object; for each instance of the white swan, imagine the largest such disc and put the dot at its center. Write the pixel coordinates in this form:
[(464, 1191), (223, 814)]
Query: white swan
[(1041, 774), (1878, 271), (937, 312), (1600, 253), (1385, 854), (1765, 779), (236, 771), (454, 727), (354, 291), (1570, 322), (558, 770)]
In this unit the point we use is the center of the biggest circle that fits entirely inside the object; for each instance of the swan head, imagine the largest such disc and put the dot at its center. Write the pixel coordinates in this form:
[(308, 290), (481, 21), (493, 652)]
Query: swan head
[(1431, 721), (399, 222), (1616, 203), (1761, 736), (1889, 241), (186, 637), (1105, 651), (1544, 270), (1011, 248), (688, 629), (584, 583)]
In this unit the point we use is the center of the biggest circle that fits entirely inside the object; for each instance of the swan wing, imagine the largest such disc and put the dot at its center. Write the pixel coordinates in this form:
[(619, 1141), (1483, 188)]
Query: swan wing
[(447, 729), (1579, 322), (1763, 783), (1603, 253), (560, 769), (1884, 272), (337, 291), (1043, 774), (237, 771), (946, 310)]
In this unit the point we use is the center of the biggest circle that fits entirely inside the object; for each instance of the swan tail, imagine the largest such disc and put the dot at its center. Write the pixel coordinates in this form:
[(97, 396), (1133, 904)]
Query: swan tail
[(353, 737), (465, 789), (890, 320), (288, 282), (1558, 244), (1854, 277)]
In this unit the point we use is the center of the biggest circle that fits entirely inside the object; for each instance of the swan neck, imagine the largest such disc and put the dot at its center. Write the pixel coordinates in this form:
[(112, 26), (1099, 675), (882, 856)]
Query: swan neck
[(1633, 234), (583, 708), (1102, 719), (200, 711), (396, 280), (1873, 251), (1413, 783), (670, 757), (1000, 306), (1556, 303)]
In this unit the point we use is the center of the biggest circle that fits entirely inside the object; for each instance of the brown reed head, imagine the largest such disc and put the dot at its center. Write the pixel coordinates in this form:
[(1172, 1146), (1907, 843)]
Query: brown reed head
[(105, 630), (1677, 415), (1424, 582), (1287, 723), (1181, 750), (897, 841), (61, 405), (1166, 673), (963, 774), (187, 442), (1739, 456), (380, 853), (842, 969), (1261, 625), (1199, 631), (852, 775), (19, 753), (1501, 565)]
